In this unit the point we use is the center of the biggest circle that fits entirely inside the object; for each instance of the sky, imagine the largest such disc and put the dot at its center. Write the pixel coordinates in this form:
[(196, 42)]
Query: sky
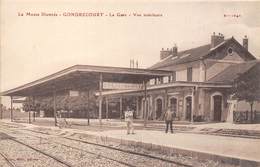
[(35, 46)]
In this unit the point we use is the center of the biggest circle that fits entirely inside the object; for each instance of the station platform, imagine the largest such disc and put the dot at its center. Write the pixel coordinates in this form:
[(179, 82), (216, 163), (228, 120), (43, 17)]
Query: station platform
[(237, 148), (217, 128)]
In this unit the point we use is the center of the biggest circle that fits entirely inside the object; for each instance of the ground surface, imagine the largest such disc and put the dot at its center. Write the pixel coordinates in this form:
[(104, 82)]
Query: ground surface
[(54, 148), (29, 145)]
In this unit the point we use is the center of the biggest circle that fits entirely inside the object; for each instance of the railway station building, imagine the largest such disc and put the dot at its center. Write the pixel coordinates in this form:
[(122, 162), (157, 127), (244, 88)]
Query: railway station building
[(194, 83)]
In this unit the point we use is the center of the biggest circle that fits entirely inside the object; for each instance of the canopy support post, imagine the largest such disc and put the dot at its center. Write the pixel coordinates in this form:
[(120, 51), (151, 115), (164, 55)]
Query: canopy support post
[(100, 98), (137, 106), (34, 108), (54, 108), (145, 103), (88, 107), (29, 112), (107, 108), (11, 109), (29, 115), (121, 107)]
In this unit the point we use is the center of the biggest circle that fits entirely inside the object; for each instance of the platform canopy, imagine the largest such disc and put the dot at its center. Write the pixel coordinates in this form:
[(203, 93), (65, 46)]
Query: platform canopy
[(84, 77)]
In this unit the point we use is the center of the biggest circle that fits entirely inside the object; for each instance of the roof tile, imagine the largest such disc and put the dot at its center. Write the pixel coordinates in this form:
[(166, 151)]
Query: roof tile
[(231, 73)]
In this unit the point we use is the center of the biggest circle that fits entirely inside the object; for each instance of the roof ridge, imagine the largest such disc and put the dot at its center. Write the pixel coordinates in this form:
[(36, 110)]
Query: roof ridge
[(157, 65), (194, 48), (196, 53), (182, 52)]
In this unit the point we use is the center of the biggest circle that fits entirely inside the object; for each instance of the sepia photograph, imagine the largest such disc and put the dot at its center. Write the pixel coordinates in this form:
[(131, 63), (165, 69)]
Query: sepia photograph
[(141, 83)]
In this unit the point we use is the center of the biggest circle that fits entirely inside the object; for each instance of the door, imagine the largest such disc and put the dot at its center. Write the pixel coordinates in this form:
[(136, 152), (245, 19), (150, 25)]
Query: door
[(173, 105), (188, 108), (217, 107), (158, 108)]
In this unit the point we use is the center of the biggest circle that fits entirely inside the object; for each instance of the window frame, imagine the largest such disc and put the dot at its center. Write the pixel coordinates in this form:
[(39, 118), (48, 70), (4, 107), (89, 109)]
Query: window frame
[(189, 74)]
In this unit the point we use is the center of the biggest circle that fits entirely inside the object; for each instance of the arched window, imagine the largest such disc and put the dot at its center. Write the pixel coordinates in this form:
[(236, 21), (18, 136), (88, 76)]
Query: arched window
[(159, 107), (173, 105), (188, 107)]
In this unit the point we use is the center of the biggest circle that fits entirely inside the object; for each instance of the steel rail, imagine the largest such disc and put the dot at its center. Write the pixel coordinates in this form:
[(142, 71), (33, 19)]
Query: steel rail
[(89, 152), (118, 149), (37, 150), (44, 153), (10, 163), (131, 152), (92, 153), (112, 148)]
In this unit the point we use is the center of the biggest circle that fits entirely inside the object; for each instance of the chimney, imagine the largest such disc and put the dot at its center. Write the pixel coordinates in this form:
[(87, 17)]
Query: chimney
[(164, 53), (216, 39), (245, 42), (174, 50), (132, 64), (168, 52)]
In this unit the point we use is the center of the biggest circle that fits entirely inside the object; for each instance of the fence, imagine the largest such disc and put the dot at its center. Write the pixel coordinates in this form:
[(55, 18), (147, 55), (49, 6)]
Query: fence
[(245, 116)]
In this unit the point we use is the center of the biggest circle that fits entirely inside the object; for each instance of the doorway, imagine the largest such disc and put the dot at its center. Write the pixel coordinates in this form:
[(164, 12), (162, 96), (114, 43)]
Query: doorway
[(217, 108), (158, 108), (188, 101), (173, 105)]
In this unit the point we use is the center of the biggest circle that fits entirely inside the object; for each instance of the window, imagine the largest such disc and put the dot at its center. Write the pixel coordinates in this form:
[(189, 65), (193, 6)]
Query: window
[(230, 51), (172, 78), (152, 82), (173, 105), (160, 80), (165, 79), (189, 74)]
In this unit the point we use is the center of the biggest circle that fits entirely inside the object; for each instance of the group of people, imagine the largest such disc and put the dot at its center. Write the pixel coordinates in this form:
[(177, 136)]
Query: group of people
[(129, 117)]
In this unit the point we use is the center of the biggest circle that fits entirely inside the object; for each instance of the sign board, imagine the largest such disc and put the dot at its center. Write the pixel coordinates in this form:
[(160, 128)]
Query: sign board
[(73, 93), (121, 86), (18, 101), (18, 97)]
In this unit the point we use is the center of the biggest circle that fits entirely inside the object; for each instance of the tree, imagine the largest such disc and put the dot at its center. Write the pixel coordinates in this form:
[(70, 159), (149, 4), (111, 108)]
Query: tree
[(85, 102), (247, 87), (28, 104)]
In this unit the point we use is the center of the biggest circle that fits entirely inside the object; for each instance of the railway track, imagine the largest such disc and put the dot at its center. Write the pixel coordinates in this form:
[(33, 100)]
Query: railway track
[(44, 153), (114, 148), (121, 150), (128, 152), (60, 160), (64, 163), (8, 161), (112, 159), (131, 152)]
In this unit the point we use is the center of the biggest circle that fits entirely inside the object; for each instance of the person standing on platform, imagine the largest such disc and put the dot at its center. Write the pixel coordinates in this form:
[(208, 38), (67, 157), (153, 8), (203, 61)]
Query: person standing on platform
[(168, 119), (129, 116)]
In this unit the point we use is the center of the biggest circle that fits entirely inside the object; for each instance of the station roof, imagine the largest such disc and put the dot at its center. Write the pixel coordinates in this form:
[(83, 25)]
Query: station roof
[(234, 71), (198, 53), (83, 76)]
